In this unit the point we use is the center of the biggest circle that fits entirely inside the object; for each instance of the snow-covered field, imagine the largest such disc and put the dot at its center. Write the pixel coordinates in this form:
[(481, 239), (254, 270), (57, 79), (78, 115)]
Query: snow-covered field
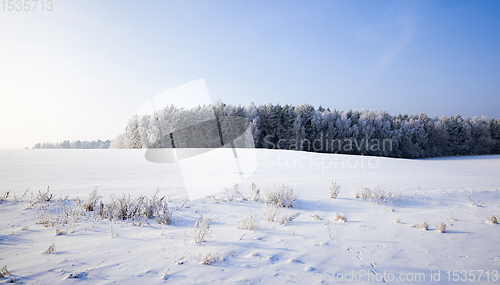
[(377, 243)]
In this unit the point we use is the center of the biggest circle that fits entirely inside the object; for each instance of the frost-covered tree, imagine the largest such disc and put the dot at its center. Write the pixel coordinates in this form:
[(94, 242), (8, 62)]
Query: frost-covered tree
[(132, 137)]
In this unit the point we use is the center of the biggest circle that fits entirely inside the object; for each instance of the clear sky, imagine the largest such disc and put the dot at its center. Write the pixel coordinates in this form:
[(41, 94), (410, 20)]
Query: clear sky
[(83, 69)]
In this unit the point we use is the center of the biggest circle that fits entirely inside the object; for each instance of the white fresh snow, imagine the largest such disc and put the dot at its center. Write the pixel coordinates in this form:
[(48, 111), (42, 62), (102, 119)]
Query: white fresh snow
[(371, 242)]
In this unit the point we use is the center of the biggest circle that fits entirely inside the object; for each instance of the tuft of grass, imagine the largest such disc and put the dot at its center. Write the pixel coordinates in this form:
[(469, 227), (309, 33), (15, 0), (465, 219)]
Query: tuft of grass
[(254, 193), (493, 220), (334, 190), (318, 218), (127, 208), (201, 229), (424, 226), (284, 219), (92, 201), (254, 253), (399, 221), (5, 196), (20, 199), (59, 232), (442, 228), (212, 257), (341, 218), (51, 249), (377, 195), (4, 272), (272, 212), (251, 223), (41, 198), (237, 195), (165, 276), (281, 196), (209, 258)]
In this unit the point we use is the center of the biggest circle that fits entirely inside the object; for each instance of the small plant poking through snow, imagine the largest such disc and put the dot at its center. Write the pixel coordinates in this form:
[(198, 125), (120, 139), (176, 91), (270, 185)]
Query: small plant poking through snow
[(213, 257), (254, 253), (112, 232), (329, 230), (50, 250), (377, 195), (41, 198), (59, 232), (201, 229), (254, 193), (493, 220), (237, 195), (399, 221), (127, 208), (249, 223), (281, 196), (4, 272), (318, 218), (5, 196), (442, 228), (284, 219), (341, 218), (424, 226), (334, 190), (272, 212), (92, 201)]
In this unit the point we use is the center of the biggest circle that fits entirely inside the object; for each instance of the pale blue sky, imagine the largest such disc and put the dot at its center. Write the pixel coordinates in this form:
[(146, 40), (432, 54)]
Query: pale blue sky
[(82, 70)]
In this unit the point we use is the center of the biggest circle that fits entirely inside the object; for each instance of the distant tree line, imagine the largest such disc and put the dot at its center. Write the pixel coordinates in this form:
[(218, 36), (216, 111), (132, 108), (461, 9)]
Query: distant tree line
[(323, 130), (75, 144)]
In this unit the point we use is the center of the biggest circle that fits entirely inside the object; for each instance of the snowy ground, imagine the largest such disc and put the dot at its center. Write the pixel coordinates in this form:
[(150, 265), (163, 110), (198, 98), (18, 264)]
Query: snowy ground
[(370, 247)]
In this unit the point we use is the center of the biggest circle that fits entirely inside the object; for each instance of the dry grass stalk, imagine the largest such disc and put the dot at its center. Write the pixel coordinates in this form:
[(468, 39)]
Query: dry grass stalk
[(254, 193), (442, 228), (283, 220), (493, 220), (424, 226), (201, 229), (4, 272), (50, 250), (237, 195), (341, 218), (272, 212), (318, 218), (334, 190), (329, 230), (249, 223)]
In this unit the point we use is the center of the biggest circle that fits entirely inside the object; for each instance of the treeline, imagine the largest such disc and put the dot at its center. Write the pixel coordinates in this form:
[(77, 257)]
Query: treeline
[(75, 145), (329, 131)]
